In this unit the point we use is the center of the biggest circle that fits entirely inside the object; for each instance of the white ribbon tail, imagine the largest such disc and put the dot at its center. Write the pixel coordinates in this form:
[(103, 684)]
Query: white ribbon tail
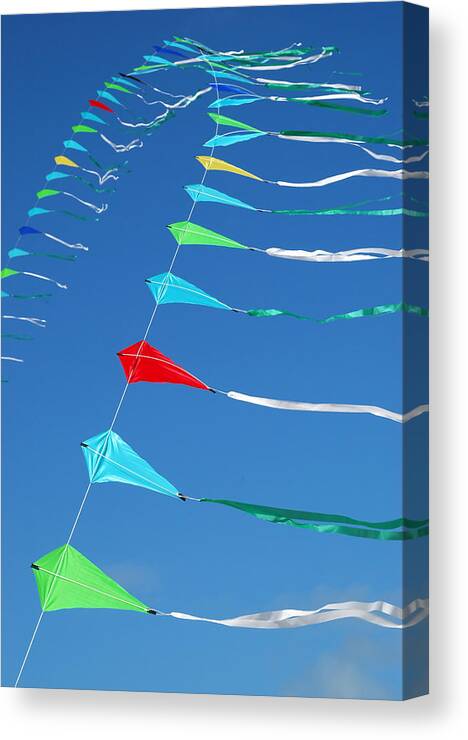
[(349, 255), (12, 359), (30, 319), (374, 155), (106, 176), (395, 174), (390, 158), (43, 277), (78, 245), (120, 148), (184, 101), (337, 86), (96, 209), (380, 613), (332, 96), (149, 124), (340, 408)]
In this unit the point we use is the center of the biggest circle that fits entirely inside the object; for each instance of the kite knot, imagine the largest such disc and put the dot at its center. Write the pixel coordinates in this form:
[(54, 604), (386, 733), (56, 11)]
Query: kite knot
[(151, 611), (182, 497), (33, 565)]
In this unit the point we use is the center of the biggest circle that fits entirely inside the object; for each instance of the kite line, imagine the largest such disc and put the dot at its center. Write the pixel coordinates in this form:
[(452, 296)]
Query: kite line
[(114, 419)]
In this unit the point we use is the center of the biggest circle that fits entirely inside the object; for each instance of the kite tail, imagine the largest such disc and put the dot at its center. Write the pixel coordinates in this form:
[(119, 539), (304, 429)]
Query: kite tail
[(96, 209), (30, 319), (379, 613), (121, 148), (162, 118), (76, 245), (343, 408), (43, 277)]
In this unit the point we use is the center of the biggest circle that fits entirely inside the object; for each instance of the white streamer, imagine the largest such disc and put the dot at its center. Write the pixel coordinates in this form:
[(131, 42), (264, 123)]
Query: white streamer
[(380, 613), (96, 209), (106, 176), (337, 86), (120, 148), (375, 155), (159, 119), (77, 245), (184, 101), (395, 174), (330, 96), (349, 255), (30, 319), (342, 408), (43, 277), (13, 359)]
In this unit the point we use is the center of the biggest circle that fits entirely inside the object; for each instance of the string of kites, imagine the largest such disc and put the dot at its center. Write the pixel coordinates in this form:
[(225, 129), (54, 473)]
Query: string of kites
[(65, 577), (233, 67)]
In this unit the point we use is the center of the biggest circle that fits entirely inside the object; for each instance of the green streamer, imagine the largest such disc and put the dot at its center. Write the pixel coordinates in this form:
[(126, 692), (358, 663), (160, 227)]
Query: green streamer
[(267, 312), (344, 108), (21, 337), (386, 308), (336, 523), (353, 212)]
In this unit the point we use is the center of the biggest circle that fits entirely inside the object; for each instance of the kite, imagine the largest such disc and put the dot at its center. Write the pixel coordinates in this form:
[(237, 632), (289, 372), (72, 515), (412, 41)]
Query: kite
[(67, 162), (17, 252), (201, 193), (188, 233), (104, 103), (168, 288), (49, 193), (318, 137), (87, 116), (29, 230), (212, 163), (56, 175), (110, 459), (143, 363), (66, 579), (99, 104)]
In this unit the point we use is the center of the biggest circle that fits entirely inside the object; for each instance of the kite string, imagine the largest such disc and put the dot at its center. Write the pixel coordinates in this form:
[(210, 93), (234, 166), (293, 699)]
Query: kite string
[(166, 279), (116, 413)]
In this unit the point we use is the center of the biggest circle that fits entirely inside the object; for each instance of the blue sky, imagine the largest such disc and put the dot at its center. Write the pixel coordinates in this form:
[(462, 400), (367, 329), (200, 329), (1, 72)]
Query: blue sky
[(207, 560)]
